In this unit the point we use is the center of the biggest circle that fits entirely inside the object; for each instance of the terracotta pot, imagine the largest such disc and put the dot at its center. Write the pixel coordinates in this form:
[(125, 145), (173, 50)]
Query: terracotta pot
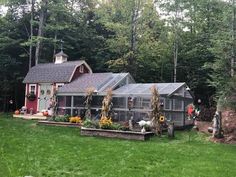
[(17, 112)]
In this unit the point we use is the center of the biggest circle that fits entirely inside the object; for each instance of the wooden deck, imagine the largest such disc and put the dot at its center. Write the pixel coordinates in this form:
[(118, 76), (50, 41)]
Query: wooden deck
[(30, 117)]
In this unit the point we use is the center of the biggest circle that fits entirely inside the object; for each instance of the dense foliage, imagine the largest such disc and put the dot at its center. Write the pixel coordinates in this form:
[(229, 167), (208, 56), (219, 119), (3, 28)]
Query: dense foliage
[(190, 41)]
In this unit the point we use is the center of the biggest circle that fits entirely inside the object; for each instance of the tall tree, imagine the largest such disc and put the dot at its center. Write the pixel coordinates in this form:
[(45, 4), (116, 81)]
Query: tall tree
[(42, 18)]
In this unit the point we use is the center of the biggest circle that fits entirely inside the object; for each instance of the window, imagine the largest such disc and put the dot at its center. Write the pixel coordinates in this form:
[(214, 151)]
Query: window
[(79, 101), (81, 69), (32, 88), (178, 105), (146, 103), (64, 101), (167, 105)]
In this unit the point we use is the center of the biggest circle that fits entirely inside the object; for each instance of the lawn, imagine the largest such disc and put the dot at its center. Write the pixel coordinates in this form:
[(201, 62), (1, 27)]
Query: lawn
[(30, 150)]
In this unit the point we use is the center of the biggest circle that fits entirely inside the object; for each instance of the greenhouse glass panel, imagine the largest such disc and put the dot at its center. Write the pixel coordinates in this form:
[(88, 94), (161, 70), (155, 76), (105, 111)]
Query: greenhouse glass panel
[(97, 101), (62, 111), (79, 101), (178, 105), (167, 104), (146, 103), (64, 101), (137, 103), (119, 102)]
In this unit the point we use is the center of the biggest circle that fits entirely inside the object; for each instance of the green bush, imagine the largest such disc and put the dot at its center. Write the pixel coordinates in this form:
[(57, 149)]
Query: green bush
[(88, 123), (115, 126), (64, 118)]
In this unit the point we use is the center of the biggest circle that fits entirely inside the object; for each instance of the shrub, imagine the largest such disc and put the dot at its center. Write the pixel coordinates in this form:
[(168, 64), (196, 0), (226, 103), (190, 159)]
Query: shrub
[(125, 126), (64, 118), (88, 123), (105, 123), (116, 126)]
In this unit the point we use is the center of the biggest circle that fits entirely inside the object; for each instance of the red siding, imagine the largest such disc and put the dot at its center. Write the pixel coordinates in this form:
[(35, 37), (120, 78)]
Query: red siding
[(78, 73), (32, 104)]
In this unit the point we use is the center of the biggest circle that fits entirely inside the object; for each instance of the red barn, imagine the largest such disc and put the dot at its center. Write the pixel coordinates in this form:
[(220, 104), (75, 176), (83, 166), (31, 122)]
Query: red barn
[(43, 79)]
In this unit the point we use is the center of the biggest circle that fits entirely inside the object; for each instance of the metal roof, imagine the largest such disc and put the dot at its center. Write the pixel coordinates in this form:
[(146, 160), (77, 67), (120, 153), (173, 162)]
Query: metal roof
[(144, 89), (52, 73), (99, 81)]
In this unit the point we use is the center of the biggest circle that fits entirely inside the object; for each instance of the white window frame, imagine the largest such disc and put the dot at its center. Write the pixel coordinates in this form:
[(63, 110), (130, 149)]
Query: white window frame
[(30, 89), (81, 69)]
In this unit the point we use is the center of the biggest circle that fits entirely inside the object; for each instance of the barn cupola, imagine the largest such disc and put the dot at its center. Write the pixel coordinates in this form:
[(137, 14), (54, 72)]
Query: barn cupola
[(60, 57)]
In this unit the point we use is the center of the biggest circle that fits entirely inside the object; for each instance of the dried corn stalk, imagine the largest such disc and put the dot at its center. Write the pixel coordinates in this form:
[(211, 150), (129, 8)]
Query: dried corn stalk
[(107, 104), (88, 100), (155, 106)]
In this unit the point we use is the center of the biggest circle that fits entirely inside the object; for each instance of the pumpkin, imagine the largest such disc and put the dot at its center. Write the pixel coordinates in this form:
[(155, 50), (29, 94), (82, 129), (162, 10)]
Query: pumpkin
[(45, 113), (17, 112)]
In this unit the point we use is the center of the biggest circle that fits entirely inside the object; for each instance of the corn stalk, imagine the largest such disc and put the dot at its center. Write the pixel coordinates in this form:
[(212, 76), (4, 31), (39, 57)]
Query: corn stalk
[(155, 106)]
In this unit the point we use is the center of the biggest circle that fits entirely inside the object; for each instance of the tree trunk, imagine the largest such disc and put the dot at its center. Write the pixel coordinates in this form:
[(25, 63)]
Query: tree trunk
[(175, 51), (54, 46), (42, 16), (175, 59), (31, 33), (134, 17), (232, 62)]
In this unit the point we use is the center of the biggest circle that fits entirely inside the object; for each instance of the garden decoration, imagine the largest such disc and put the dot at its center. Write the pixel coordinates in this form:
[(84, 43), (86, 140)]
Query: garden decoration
[(31, 96), (144, 125), (155, 114), (217, 126), (88, 100), (130, 106), (107, 104)]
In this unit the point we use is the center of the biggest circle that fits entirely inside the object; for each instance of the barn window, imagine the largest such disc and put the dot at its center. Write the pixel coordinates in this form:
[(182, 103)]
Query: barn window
[(32, 88)]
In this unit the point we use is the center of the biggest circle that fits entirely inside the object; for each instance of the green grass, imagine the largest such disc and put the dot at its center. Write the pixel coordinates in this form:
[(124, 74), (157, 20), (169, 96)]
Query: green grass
[(28, 149)]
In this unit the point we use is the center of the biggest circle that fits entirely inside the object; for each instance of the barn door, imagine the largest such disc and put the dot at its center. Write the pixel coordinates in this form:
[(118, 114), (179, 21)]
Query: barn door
[(44, 96)]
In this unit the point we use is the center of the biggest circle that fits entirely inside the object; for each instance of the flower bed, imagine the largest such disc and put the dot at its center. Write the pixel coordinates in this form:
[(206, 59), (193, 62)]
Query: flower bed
[(63, 124), (129, 135)]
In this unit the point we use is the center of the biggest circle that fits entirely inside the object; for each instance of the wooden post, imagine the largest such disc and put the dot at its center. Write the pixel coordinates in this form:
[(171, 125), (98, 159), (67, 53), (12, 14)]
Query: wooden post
[(171, 133)]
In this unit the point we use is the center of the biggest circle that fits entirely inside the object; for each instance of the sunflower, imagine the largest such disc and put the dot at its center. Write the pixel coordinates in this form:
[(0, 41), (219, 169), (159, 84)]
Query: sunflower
[(161, 119)]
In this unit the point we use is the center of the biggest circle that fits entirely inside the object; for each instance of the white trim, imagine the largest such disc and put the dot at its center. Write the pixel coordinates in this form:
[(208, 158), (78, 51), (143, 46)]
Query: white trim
[(30, 85), (26, 92), (38, 96), (58, 85), (87, 66)]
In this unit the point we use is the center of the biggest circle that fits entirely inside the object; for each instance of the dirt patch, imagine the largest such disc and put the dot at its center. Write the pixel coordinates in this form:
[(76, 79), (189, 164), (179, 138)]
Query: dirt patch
[(228, 124)]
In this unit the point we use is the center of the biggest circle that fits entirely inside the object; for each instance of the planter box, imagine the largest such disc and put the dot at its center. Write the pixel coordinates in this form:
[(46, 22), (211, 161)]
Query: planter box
[(129, 135), (62, 124)]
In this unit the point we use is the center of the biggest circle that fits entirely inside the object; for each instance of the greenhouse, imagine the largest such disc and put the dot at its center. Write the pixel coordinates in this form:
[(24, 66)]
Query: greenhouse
[(129, 98)]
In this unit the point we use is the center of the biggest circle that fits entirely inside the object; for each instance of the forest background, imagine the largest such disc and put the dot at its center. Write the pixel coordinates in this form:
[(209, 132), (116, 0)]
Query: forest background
[(190, 41)]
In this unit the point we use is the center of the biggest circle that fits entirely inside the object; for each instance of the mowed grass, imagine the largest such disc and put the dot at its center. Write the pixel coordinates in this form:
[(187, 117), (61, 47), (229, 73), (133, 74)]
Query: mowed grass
[(27, 149)]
